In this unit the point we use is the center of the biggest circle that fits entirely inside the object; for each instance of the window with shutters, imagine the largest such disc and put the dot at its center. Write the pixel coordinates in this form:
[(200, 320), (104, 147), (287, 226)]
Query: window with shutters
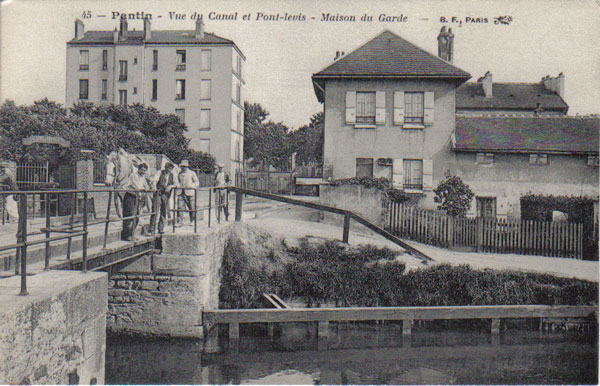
[(180, 65), (486, 207), (104, 94), (538, 159), (180, 89), (83, 88), (205, 60), (104, 60), (205, 119), (364, 167), (122, 70), (365, 107), (84, 60), (122, 97), (205, 89), (413, 173), (485, 158), (414, 107)]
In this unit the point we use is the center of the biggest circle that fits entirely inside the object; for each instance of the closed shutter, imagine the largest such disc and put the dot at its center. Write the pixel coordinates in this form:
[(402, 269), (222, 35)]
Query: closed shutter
[(399, 108), (429, 106), (380, 108), (350, 107), (397, 177), (427, 174)]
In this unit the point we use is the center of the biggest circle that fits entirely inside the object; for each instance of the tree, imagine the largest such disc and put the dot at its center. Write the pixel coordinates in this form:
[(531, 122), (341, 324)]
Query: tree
[(453, 195), (307, 141), (265, 142), (101, 128)]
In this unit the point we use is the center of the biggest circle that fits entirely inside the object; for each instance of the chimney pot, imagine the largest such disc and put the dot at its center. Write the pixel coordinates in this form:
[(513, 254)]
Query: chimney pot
[(199, 29), (486, 84), (446, 44), (115, 35), (147, 30), (123, 32), (79, 29)]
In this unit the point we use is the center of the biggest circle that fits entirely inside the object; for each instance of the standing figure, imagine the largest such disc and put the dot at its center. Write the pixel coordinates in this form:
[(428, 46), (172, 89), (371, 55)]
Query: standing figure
[(164, 186), (221, 183), (132, 201), (7, 182), (188, 180)]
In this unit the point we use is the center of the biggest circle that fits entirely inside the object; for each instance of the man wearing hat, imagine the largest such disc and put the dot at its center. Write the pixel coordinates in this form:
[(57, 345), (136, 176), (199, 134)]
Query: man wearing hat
[(165, 184), (188, 180), (133, 199), (221, 180)]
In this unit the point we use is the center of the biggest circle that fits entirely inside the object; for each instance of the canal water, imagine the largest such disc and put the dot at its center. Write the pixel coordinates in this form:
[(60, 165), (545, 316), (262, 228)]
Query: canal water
[(361, 353)]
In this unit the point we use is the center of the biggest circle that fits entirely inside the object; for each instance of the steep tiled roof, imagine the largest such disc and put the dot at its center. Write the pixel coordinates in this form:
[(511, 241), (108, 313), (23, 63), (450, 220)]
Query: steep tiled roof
[(388, 55), (157, 37), (509, 96), (556, 134)]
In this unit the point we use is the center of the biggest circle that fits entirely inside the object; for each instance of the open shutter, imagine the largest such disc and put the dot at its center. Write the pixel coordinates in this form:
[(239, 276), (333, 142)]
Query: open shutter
[(397, 174), (429, 105), (399, 108), (350, 107), (427, 174), (380, 107)]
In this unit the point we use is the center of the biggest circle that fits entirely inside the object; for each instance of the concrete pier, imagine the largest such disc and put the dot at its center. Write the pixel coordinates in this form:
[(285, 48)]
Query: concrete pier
[(56, 334)]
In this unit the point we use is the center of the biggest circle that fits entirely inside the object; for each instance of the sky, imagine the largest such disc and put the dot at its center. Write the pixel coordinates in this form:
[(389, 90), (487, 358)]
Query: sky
[(544, 38)]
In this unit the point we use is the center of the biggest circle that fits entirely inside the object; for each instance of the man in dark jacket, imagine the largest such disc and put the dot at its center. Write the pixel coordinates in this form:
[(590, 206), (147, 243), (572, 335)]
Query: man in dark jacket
[(165, 184)]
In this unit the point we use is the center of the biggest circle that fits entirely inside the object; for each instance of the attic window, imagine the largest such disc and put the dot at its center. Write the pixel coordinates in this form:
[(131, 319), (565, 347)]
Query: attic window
[(485, 158)]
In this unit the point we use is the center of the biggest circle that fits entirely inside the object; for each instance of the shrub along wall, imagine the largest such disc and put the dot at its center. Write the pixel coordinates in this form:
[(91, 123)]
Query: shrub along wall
[(369, 276)]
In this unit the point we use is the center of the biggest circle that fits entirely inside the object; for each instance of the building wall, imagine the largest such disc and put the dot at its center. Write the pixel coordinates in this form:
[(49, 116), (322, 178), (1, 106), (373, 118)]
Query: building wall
[(343, 143), (140, 77), (512, 176), (505, 113)]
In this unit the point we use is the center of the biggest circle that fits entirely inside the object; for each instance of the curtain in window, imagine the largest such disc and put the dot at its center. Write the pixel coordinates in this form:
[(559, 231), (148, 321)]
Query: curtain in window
[(413, 107), (365, 107), (413, 174)]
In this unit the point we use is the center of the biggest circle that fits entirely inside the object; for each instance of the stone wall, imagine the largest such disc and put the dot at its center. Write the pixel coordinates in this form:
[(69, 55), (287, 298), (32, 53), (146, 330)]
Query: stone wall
[(366, 202), (164, 295), (56, 334)]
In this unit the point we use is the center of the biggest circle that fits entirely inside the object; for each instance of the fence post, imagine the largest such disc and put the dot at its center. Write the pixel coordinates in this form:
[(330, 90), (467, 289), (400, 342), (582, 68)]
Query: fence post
[(73, 208), (238, 206), (479, 233), (85, 232), (110, 198), (23, 239), (195, 210), (47, 259), (346, 233), (450, 231), (210, 205)]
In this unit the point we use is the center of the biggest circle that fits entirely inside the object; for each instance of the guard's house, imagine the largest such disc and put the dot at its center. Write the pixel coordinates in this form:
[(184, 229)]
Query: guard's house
[(394, 110), (389, 112)]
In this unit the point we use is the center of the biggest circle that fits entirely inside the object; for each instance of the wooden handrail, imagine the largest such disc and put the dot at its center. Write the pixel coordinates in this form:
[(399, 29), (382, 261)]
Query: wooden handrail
[(411, 250)]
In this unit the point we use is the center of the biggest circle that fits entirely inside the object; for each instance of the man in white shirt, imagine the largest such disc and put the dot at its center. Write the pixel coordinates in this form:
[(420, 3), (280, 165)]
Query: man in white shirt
[(133, 199), (221, 180), (189, 181)]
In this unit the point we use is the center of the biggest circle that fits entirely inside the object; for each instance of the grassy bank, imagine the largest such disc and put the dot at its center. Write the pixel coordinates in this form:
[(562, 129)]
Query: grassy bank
[(370, 276)]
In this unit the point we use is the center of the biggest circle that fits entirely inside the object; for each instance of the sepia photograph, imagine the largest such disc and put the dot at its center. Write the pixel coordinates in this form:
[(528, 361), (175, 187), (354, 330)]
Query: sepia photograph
[(299, 192)]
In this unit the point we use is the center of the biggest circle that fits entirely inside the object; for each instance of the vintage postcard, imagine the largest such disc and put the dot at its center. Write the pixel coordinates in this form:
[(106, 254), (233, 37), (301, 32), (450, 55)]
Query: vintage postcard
[(299, 192)]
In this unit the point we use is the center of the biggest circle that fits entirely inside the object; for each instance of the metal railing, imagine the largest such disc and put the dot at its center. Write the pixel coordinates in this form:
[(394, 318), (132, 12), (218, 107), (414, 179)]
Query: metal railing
[(80, 226)]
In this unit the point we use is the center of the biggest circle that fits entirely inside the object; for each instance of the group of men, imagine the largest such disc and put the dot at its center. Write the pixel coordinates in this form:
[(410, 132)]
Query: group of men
[(186, 180)]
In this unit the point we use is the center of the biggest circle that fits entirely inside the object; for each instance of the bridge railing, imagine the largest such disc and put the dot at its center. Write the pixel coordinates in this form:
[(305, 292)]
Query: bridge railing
[(79, 221)]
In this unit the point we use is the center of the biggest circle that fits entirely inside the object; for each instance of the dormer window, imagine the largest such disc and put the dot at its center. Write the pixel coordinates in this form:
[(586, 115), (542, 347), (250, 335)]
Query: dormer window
[(538, 159), (485, 158)]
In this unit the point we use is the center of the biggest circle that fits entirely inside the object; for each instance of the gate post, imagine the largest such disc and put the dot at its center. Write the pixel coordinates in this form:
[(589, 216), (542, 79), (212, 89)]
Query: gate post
[(238, 206)]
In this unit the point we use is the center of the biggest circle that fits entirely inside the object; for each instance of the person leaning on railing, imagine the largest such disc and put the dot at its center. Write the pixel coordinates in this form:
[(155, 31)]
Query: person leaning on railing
[(132, 202), (221, 182), (164, 186), (188, 180)]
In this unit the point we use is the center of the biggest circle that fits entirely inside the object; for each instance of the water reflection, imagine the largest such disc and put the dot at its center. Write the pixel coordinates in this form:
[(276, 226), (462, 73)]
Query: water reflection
[(361, 353)]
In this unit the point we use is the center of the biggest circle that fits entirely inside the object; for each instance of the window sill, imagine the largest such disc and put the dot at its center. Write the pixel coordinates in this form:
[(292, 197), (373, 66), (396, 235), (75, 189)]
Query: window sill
[(364, 126), (412, 190), (204, 128), (413, 126), (179, 99)]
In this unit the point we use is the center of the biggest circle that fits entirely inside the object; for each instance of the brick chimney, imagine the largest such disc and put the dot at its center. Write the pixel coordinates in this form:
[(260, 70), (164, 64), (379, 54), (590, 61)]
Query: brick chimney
[(79, 29), (123, 30), (486, 84), (147, 30), (446, 44), (199, 29), (556, 85)]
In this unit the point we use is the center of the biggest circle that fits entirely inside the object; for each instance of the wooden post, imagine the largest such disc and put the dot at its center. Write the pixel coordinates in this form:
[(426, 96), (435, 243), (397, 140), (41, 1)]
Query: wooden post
[(479, 233), (450, 231), (47, 259), (346, 233), (239, 198), (110, 198), (234, 331), (23, 239), (407, 327), (211, 338), (84, 241), (495, 326)]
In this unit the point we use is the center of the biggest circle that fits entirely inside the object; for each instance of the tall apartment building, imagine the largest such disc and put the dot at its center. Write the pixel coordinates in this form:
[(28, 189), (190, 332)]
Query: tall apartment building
[(192, 73)]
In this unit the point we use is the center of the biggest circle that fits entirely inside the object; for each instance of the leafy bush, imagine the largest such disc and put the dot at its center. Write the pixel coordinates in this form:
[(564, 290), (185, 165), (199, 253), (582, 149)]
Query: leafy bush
[(369, 276), (453, 195)]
